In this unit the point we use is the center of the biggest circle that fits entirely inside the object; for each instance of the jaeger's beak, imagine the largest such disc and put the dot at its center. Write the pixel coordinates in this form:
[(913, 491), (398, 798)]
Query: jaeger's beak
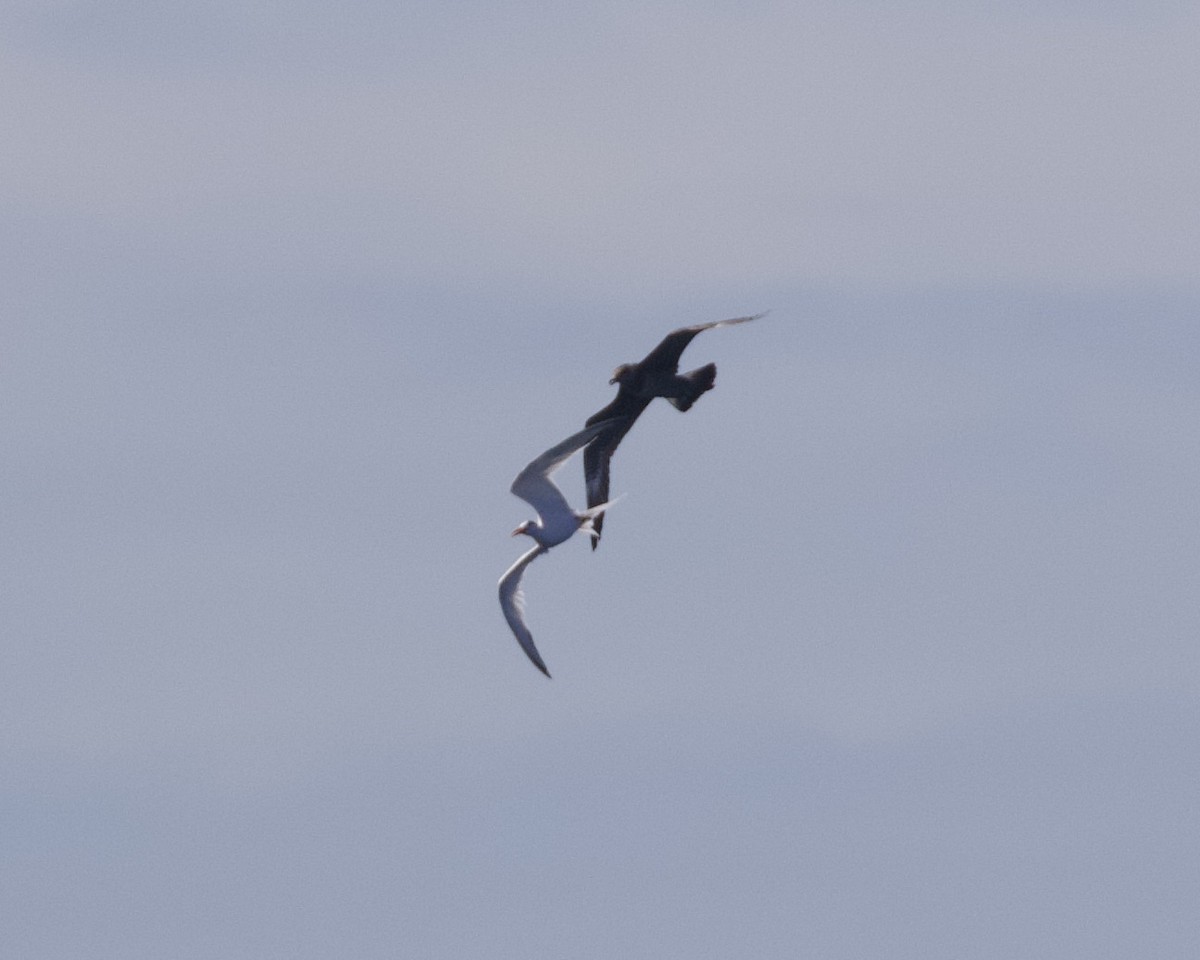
[(612, 381)]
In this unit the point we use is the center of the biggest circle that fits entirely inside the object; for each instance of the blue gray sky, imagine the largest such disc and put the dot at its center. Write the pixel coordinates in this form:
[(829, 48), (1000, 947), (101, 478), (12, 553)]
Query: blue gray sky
[(890, 650)]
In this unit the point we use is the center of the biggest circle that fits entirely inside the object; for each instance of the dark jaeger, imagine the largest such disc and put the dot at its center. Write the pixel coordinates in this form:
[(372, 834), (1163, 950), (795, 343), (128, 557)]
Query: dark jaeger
[(657, 375)]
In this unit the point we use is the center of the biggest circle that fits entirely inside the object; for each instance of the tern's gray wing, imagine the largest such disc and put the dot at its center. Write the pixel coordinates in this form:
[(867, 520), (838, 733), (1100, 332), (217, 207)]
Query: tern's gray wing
[(666, 355), (512, 602), (533, 484)]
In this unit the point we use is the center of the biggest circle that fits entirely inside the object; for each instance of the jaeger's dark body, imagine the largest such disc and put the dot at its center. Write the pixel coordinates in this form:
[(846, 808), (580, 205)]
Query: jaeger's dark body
[(657, 375)]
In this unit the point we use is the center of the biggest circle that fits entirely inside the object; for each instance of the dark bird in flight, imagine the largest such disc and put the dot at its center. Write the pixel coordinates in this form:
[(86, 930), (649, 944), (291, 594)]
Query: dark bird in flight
[(638, 383), (556, 523)]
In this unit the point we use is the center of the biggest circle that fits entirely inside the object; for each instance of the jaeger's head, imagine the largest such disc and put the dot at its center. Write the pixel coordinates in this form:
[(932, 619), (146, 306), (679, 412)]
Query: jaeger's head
[(622, 373)]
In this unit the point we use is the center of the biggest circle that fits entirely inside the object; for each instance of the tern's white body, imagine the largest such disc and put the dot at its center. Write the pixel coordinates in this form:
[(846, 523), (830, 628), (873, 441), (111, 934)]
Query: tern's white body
[(551, 529), (556, 522)]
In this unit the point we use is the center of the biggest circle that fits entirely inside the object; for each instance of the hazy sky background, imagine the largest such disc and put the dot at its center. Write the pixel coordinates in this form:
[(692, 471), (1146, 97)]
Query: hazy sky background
[(891, 648)]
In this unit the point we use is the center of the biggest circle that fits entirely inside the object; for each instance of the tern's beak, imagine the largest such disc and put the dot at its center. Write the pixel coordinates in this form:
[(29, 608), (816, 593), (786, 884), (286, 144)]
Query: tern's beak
[(520, 529)]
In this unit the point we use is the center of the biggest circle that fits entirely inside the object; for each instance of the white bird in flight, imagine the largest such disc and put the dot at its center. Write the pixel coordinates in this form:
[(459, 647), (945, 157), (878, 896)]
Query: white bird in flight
[(556, 522)]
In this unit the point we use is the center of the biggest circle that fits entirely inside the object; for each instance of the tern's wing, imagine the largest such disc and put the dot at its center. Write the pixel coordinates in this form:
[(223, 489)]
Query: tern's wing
[(533, 484), (666, 355), (512, 602)]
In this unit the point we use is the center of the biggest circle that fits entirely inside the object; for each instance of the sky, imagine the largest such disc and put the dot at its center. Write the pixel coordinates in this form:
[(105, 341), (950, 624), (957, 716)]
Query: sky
[(890, 647)]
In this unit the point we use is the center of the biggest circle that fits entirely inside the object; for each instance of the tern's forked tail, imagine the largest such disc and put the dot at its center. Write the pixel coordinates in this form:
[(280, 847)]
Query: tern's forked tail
[(589, 516)]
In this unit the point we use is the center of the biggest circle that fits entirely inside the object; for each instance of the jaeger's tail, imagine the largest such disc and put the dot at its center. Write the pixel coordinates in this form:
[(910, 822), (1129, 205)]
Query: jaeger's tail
[(698, 381)]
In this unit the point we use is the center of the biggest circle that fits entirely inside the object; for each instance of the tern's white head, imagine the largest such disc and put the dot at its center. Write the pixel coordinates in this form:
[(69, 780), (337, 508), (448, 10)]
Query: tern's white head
[(548, 535)]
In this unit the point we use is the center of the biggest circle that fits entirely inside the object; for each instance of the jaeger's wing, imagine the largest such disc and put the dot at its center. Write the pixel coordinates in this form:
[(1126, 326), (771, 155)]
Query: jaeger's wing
[(598, 455), (666, 355)]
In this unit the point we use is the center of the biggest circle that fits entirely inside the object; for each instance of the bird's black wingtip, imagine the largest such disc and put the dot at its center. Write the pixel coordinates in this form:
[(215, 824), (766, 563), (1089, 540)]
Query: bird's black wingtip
[(538, 662), (535, 658)]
